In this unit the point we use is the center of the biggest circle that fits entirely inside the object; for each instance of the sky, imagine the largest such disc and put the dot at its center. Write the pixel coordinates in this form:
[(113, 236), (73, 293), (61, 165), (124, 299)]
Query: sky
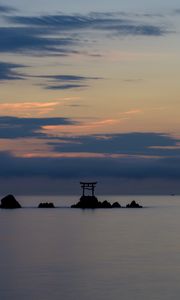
[(89, 90)]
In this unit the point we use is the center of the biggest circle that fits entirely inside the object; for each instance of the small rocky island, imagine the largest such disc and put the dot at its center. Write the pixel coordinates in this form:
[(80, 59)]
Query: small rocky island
[(91, 201), (9, 202), (133, 204), (46, 205)]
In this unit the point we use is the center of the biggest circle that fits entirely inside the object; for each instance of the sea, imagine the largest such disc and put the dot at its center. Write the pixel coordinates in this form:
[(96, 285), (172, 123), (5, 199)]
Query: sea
[(103, 254)]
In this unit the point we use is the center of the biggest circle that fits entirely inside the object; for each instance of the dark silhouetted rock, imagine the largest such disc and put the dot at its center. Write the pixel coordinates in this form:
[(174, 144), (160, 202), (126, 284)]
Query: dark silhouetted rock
[(46, 205), (116, 205), (106, 204), (133, 204), (92, 202), (87, 202), (9, 202)]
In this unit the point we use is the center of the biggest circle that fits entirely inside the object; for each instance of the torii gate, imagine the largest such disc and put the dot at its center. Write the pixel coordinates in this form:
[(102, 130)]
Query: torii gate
[(88, 186)]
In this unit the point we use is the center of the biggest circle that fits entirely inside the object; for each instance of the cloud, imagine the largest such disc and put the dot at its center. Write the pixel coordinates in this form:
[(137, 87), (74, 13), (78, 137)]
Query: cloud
[(68, 78), (176, 11), (85, 128), (58, 82), (5, 9), (133, 156), (65, 86), (101, 21), (145, 145), (8, 71), (131, 144), (127, 145), (63, 34), (135, 30), (14, 127), (132, 112), (29, 109), (28, 40), (76, 168), (64, 82)]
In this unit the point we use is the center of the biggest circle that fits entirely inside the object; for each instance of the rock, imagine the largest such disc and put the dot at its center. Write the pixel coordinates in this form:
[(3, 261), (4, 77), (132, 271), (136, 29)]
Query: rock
[(9, 202), (92, 202), (133, 204), (106, 204), (46, 205), (116, 205), (87, 202)]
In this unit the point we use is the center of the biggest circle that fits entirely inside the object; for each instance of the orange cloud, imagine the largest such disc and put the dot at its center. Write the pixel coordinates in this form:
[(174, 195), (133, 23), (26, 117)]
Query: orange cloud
[(101, 126), (64, 155), (33, 109), (28, 109), (93, 127), (19, 147), (175, 147), (31, 148), (133, 112)]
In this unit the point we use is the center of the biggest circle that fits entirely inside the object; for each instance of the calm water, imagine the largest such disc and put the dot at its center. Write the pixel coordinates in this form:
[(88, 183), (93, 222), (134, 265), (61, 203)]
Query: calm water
[(69, 254)]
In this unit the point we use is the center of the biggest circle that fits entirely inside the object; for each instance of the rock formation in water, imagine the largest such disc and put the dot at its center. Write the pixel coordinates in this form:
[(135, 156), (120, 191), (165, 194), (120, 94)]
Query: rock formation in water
[(92, 202), (9, 202), (116, 205), (133, 204), (105, 204), (87, 202), (46, 205)]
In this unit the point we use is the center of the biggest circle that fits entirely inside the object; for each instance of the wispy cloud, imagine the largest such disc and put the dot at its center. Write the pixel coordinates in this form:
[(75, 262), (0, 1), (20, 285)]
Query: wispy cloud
[(22, 147), (27, 40), (81, 128), (28, 109), (65, 82), (14, 127), (137, 144), (66, 86), (176, 11), (55, 140), (65, 155), (84, 127), (106, 22), (64, 34), (67, 78), (5, 9), (132, 112), (8, 71)]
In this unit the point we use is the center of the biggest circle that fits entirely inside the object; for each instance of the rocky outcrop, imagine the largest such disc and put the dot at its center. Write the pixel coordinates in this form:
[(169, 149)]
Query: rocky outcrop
[(46, 205), (116, 205), (92, 202), (9, 202), (133, 204), (87, 202), (106, 204)]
